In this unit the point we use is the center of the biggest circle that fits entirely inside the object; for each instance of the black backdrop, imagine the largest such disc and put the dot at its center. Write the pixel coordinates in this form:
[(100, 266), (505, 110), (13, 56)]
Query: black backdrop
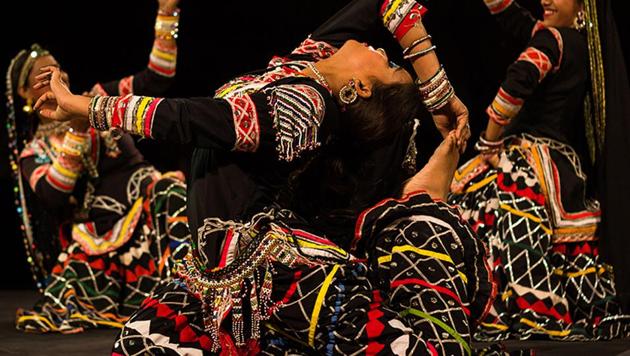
[(100, 41)]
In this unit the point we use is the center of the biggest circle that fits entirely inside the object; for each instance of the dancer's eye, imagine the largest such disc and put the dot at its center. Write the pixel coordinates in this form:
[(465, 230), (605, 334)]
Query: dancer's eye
[(393, 65)]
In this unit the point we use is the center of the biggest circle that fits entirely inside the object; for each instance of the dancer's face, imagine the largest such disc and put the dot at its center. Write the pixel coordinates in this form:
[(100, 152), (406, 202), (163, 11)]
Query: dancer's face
[(369, 65), (561, 13)]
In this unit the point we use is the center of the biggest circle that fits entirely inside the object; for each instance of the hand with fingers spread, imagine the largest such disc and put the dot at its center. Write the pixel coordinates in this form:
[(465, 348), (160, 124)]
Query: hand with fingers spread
[(453, 116), (69, 106)]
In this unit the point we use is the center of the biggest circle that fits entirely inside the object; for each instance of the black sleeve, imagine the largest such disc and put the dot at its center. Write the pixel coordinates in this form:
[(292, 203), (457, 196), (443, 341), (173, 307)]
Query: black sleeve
[(366, 20), (202, 122), (542, 56), (357, 21), (287, 115), (52, 191), (513, 18)]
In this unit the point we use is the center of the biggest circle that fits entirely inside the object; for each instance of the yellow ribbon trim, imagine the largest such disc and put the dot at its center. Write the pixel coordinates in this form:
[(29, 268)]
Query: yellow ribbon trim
[(560, 272), (228, 90), (468, 168), (409, 248), (140, 114), (64, 171), (37, 318), (164, 55), (495, 326), (391, 11), (318, 304), (548, 332), (99, 322), (123, 230), (481, 184), (527, 216)]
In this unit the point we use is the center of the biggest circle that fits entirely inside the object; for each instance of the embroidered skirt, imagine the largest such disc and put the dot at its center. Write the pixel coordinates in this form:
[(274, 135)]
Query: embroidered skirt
[(533, 213), (87, 290), (422, 285)]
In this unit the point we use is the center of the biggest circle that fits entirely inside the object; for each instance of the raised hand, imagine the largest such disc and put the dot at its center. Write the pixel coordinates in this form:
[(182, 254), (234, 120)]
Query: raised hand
[(453, 116), (69, 106)]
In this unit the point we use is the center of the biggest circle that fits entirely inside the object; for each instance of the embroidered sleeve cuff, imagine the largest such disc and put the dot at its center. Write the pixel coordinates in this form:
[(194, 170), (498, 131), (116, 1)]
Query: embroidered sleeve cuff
[(130, 113), (498, 6), (504, 107), (163, 58), (399, 16)]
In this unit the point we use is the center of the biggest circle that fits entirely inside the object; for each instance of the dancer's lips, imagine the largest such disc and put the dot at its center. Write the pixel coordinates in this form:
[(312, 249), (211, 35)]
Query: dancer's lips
[(549, 12)]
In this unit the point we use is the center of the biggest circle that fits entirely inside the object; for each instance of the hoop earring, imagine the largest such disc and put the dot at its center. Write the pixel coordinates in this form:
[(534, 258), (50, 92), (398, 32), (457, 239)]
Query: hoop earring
[(580, 21), (348, 94), (28, 108)]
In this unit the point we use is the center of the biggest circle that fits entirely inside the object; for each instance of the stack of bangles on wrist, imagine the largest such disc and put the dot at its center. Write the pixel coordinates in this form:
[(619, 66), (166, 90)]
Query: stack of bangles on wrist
[(485, 146), (167, 25), (74, 143), (98, 116), (72, 150), (437, 91)]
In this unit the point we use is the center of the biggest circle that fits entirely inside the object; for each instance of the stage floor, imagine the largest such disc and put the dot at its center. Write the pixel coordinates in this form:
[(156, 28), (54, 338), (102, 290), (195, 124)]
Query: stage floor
[(99, 342)]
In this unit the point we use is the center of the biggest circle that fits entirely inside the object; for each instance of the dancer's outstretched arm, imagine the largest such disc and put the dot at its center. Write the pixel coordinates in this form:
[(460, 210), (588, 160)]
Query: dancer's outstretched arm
[(242, 123), (158, 75)]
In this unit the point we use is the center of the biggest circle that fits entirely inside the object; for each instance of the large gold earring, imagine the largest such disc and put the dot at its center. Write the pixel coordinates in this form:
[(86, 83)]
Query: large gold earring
[(28, 108), (348, 93), (580, 21)]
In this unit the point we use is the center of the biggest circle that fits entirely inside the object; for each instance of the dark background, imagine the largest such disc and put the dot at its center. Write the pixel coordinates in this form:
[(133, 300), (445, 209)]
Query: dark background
[(101, 41)]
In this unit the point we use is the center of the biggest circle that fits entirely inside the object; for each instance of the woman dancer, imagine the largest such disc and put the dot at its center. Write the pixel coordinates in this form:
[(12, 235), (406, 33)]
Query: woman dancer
[(313, 294), (120, 222), (526, 193)]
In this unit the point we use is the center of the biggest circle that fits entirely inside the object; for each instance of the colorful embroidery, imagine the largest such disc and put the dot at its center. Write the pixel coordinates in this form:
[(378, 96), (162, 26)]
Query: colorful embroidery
[(163, 58), (94, 244), (539, 59), (552, 281), (131, 113), (399, 16), (504, 107), (245, 123), (498, 6), (539, 26), (125, 86), (323, 303), (317, 49), (298, 111), (87, 291)]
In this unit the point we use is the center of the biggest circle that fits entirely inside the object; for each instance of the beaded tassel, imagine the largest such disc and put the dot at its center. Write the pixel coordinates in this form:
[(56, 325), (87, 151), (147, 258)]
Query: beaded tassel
[(237, 315), (256, 317)]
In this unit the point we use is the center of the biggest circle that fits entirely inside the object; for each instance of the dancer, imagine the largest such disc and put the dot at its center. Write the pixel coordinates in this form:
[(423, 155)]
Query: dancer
[(120, 222), (259, 280), (527, 194)]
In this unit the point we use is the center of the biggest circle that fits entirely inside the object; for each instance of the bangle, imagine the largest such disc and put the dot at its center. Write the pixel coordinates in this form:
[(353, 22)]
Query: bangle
[(437, 91), (413, 56), (167, 25), (74, 143), (486, 146), (415, 43)]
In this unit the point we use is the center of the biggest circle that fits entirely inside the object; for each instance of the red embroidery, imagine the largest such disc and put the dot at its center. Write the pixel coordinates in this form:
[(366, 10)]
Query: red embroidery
[(498, 6), (319, 50), (245, 123), (125, 86), (539, 59), (556, 34)]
